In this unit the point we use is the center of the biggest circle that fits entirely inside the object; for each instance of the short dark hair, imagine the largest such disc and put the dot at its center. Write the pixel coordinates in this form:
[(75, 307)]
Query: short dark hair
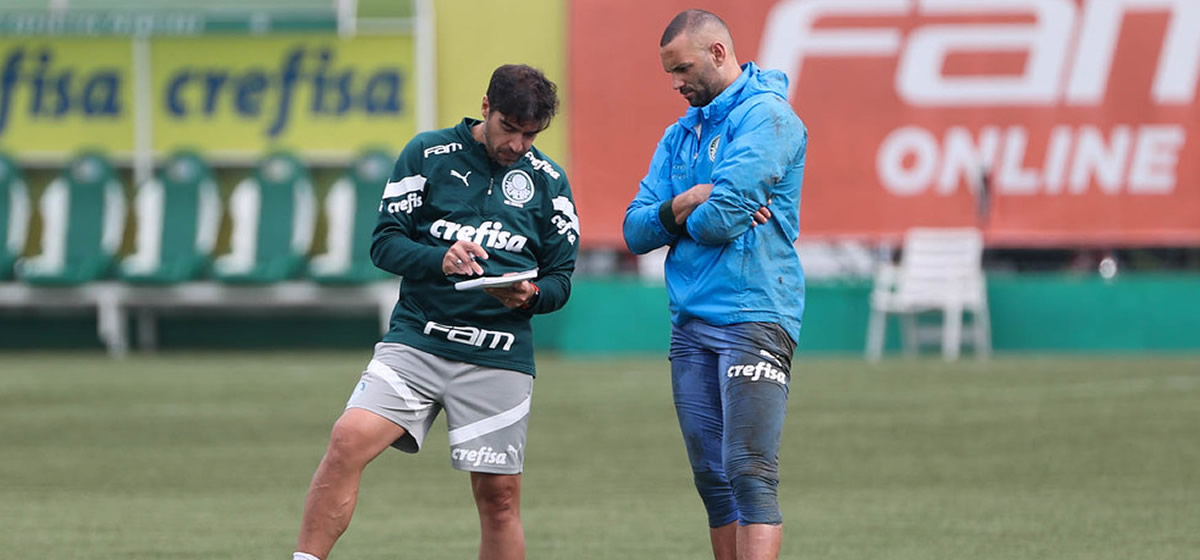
[(523, 93), (689, 20)]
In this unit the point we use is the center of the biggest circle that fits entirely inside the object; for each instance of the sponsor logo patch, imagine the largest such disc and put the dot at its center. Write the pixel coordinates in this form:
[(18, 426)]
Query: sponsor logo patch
[(404, 194), (565, 220), (490, 234), (410, 202), (442, 149), (455, 173), (472, 336), (541, 165), (483, 456), (761, 370)]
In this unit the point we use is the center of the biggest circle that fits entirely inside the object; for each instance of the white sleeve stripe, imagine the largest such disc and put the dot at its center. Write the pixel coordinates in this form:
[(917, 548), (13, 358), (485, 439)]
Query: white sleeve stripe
[(404, 186), (563, 204)]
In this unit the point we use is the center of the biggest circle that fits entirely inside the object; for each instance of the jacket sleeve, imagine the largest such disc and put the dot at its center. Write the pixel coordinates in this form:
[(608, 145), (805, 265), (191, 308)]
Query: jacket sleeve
[(393, 247), (762, 147), (560, 247), (649, 223)]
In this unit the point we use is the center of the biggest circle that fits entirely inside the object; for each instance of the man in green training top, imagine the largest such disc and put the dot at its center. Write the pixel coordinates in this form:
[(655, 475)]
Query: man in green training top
[(473, 200)]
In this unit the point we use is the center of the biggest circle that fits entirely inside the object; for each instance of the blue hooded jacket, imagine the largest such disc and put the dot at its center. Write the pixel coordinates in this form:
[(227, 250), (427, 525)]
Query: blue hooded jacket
[(749, 143)]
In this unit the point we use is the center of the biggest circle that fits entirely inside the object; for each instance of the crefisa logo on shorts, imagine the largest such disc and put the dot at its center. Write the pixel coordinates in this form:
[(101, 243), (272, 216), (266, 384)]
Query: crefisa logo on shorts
[(483, 456), (761, 370)]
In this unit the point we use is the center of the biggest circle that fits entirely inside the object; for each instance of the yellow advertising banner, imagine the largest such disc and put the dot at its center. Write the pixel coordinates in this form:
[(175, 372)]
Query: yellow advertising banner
[(317, 94), (313, 93), (62, 95), (463, 69)]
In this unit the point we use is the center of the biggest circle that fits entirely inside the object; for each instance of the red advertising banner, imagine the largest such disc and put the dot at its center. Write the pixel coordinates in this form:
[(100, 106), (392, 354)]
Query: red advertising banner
[(1076, 122)]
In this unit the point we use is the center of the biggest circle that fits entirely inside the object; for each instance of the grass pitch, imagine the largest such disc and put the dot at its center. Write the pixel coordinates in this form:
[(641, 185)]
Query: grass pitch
[(208, 456)]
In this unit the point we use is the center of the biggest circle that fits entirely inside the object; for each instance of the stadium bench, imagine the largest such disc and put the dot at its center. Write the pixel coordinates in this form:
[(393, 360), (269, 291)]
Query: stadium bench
[(351, 211), (116, 303), (178, 215), (14, 216), (274, 215), (83, 220)]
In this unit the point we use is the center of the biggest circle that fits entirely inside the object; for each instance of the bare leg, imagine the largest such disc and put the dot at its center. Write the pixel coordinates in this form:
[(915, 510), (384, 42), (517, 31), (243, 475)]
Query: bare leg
[(357, 438), (498, 499), (759, 541), (724, 541)]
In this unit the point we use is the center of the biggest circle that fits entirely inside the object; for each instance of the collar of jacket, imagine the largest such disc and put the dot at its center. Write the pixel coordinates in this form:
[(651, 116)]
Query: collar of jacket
[(464, 130), (722, 104), (465, 133)]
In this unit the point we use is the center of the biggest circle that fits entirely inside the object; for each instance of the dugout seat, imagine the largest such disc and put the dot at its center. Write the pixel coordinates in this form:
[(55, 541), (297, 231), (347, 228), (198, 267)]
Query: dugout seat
[(273, 214), (351, 212), (940, 270), (14, 216), (83, 222), (178, 215)]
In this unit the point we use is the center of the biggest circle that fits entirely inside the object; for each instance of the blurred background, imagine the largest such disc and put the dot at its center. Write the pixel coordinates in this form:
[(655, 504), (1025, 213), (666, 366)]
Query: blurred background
[(187, 189)]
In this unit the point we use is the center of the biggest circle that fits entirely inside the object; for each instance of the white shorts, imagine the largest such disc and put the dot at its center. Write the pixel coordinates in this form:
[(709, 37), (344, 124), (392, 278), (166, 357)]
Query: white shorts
[(487, 409)]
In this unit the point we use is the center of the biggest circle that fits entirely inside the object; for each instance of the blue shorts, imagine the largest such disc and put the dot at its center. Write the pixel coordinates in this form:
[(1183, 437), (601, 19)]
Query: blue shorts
[(730, 386)]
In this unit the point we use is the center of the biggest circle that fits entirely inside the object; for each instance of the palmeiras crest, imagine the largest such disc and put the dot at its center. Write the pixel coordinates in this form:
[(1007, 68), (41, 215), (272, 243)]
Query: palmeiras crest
[(517, 187)]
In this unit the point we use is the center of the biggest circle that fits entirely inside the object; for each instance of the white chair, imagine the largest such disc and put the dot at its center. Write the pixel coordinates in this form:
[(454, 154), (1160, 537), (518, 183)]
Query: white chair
[(939, 270)]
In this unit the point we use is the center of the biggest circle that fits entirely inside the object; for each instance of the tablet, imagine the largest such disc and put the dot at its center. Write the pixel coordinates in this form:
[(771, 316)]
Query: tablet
[(496, 281)]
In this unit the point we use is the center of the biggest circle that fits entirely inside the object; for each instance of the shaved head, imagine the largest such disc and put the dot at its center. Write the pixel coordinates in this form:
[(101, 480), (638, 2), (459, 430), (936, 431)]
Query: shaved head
[(699, 24), (697, 51)]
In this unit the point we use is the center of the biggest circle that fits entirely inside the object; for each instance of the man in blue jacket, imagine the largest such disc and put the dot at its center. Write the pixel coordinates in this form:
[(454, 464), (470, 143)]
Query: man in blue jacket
[(723, 192)]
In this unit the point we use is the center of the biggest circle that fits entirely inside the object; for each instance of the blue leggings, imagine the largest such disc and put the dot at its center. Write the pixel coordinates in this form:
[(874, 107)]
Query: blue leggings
[(730, 385)]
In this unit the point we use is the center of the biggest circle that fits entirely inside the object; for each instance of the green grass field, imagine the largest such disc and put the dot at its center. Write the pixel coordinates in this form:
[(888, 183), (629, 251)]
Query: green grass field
[(208, 456)]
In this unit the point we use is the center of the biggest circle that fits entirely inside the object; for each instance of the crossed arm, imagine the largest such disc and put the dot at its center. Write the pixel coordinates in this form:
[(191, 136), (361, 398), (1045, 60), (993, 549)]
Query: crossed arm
[(684, 203), (754, 161)]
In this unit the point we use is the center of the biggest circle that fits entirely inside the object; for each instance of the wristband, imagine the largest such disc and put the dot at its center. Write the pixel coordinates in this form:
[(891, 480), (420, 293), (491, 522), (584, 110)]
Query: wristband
[(537, 292), (666, 216)]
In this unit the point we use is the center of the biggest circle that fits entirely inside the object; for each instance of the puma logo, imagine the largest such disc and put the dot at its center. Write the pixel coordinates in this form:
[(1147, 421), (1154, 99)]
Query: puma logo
[(769, 356), (461, 176)]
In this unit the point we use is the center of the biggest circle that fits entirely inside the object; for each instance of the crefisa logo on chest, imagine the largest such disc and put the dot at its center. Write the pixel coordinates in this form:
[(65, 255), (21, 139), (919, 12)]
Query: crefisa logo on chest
[(517, 187)]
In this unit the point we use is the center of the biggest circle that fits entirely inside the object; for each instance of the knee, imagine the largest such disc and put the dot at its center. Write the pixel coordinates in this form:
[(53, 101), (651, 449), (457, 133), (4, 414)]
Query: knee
[(755, 483), (718, 500), (497, 500), (349, 446)]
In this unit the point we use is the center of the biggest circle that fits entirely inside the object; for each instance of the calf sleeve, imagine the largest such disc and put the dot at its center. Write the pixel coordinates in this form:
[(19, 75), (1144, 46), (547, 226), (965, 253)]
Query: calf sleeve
[(718, 497), (755, 483)]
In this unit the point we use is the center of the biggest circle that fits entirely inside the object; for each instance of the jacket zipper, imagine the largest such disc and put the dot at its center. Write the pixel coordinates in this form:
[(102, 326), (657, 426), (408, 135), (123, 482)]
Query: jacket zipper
[(487, 200)]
